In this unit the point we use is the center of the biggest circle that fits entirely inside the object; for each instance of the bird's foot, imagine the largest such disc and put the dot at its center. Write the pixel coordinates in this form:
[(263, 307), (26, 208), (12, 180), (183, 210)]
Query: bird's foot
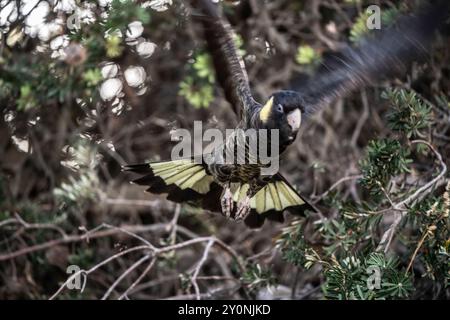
[(243, 209), (227, 202)]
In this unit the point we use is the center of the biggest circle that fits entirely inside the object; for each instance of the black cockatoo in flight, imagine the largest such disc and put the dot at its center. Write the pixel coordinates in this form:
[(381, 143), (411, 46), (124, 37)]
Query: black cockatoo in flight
[(240, 190)]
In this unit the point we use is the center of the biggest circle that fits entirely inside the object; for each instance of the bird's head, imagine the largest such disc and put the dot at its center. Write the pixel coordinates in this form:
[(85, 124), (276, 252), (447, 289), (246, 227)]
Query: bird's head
[(283, 111)]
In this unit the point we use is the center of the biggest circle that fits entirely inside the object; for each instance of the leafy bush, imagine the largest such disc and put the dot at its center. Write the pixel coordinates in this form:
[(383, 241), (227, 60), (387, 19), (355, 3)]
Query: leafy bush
[(378, 175)]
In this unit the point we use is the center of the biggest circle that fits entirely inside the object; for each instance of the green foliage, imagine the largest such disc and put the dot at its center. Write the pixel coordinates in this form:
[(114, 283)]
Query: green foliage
[(6, 90), (389, 16), (336, 233), (356, 278), (83, 159), (203, 67), (82, 258), (239, 43), (122, 12), (366, 275), (31, 82), (113, 46), (77, 189), (200, 96), (349, 251), (185, 281), (92, 77), (443, 101), (409, 114), (33, 85), (431, 218), (257, 277), (385, 158), (307, 55), (293, 245), (359, 29), (341, 245), (197, 87), (4, 215)]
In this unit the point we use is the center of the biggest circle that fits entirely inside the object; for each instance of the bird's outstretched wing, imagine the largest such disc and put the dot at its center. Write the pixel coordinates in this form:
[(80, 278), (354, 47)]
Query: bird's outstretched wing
[(186, 180), (229, 66), (386, 53)]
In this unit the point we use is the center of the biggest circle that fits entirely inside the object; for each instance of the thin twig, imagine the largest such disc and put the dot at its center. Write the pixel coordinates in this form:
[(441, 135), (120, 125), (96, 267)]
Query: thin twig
[(337, 183), (87, 272), (199, 266), (138, 280), (400, 207), (123, 275)]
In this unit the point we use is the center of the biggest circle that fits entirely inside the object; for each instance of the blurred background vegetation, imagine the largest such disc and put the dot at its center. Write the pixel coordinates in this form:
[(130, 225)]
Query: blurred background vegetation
[(88, 86)]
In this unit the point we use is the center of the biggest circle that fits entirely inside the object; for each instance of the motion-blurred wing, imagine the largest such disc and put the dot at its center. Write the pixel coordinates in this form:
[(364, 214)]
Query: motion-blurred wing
[(229, 66), (386, 53)]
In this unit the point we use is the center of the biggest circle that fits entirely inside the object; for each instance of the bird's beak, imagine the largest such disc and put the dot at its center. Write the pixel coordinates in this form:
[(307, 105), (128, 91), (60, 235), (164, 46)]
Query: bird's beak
[(294, 119)]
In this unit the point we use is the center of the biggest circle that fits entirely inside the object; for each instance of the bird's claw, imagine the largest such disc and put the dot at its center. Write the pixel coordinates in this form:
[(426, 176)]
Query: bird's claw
[(227, 202), (243, 209)]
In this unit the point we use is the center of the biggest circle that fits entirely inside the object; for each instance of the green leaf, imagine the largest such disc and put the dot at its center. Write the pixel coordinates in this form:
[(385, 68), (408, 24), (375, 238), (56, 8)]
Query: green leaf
[(306, 55)]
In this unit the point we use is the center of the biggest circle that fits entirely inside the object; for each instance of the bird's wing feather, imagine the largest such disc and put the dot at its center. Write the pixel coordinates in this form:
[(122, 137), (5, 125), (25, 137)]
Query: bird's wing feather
[(229, 66), (271, 201), (386, 53), (183, 180)]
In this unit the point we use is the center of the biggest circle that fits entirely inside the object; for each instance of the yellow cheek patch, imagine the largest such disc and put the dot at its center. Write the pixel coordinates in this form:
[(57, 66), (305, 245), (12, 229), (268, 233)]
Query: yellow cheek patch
[(265, 111)]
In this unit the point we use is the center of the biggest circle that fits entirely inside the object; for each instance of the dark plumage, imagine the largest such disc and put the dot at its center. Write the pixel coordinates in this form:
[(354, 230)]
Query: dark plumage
[(225, 186)]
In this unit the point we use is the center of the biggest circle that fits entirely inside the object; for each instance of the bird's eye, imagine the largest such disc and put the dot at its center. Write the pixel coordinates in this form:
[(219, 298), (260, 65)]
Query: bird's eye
[(280, 108)]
